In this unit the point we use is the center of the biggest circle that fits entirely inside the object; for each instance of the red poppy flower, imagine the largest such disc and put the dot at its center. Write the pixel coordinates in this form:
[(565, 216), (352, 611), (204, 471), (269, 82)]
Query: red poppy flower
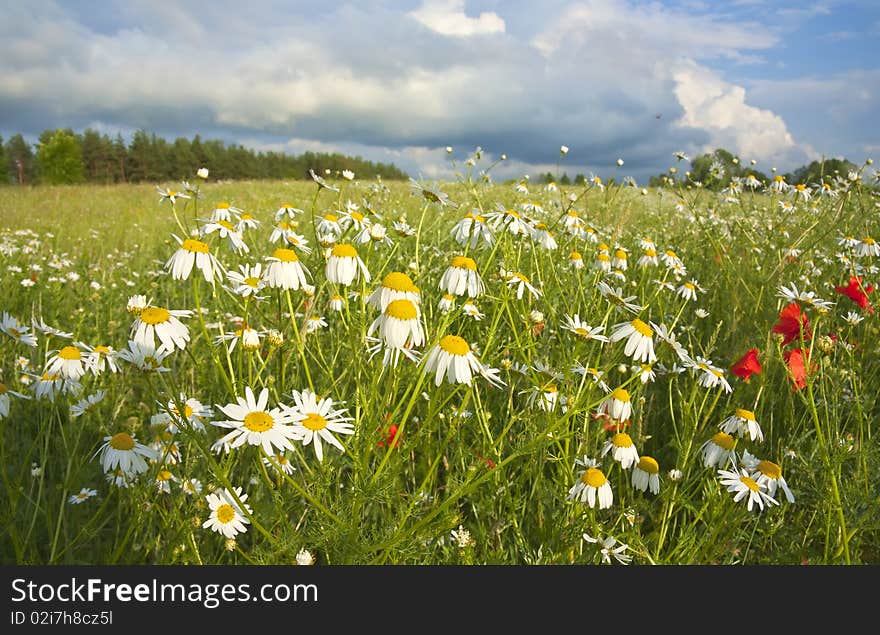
[(389, 437), (857, 293), (747, 365), (797, 365), (790, 323)]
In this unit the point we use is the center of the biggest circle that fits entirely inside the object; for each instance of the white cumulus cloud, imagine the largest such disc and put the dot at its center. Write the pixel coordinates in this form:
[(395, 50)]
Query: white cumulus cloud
[(448, 17)]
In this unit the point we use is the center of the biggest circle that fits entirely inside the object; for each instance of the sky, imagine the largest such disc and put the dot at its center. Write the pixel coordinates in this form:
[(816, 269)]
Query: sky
[(780, 82)]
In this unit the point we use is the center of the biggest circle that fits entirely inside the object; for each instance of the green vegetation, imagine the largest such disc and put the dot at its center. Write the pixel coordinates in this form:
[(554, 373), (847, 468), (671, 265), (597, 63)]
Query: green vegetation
[(439, 472)]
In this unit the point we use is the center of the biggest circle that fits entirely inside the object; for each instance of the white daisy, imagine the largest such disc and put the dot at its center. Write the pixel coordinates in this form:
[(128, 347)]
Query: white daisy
[(622, 449), (639, 340), (745, 487), (646, 475), (158, 322), (315, 420), (743, 423), (253, 423), (284, 270), (344, 265), (452, 358), (591, 485), (193, 253), (124, 452), (461, 278), (227, 516)]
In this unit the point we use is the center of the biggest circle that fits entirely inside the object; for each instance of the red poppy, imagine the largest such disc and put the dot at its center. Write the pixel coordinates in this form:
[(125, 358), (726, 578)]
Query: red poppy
[(797, 365), (790, 323), (857, 293), (389, 437), (747, 365)]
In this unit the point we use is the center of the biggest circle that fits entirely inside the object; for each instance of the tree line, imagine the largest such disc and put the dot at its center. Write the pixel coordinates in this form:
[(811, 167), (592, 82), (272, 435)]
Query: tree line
[(62, 156)]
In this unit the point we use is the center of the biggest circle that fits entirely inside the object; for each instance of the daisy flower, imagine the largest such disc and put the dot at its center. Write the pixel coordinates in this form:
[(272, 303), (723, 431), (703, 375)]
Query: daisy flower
[(48, 386), (67, 362), (5, 392), (867, 247), (542, 235), (522, 284), (395, 286), (315, 420), (145, 356), (284, 270), (622, 449), (288, 211), (85, 405), (582, 329), (404, 229), (719, 450), (158, 322), (280, 462), (616, 297), (470, 309), (768, 474), (619, 260), (281, 230), (671, 260), (431, 194), (247, 281), (648, 258), (472, 230), (645, 373), (223, 211), (337, 302), (509, 220), (16, 331), (167, 194), (591, 485), (99, 358), (164, 478), (314, 323), (83, 495), (329, 225), (616, 405), (742, 423), (639, 340), (545, 397), (576, 260), (709, 374), (246, 221), (193, 253), (806, 297), (194, 415), (304, 557), (446, 303), (39, 325), (227, 517), (399, 325), (608, 550), (646, 475), (191, 486), (595, 374), (228, 231), (344, 264), (602, 262), (136, 304), (452, 358), (461, 277), (124, 452), (252, 423), (688, 290), (745, 487)]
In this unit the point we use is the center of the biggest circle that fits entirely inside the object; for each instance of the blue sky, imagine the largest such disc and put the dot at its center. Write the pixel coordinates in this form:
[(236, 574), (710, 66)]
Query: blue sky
[(779, 82)]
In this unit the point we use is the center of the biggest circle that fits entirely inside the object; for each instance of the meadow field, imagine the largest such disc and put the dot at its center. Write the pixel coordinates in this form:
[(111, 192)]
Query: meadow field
[(467, 372)]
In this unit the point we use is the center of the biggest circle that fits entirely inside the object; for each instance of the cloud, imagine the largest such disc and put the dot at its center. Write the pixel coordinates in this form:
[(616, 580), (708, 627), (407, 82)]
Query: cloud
[(448, 18), (379, 79)]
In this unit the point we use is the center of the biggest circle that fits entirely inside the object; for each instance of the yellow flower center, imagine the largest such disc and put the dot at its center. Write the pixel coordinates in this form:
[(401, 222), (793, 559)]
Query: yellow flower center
[(3, 388), (800, 187), (223, 205), (868, 241), (122, 441), (745, 414), (69, 353), (252, 282), (344, 251), (575, 256), (513, 213), (187, 411), (455, 345), (285, 255), (620, 254), (642, 328), (402, 310), (448, 297), (620, 394), (622, 440), (593, 478), (153, 315), (649, 465), (247, 217), (519, 276), (397, 281), (778, 178), (330, 218), (102, 350), (768, 468), (286, 206), (463, 262), (48, 377), (357, 216), (314, 422), (689, 286), (603, 257), (724, 440), (751, 484), (226, 225), (671, 253), (582, 332), (650, 253), (163, 475), (258, 421), (194, 245), (225, 513)]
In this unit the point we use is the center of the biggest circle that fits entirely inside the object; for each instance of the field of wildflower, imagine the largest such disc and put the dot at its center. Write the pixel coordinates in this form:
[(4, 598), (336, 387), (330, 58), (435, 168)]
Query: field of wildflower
[(469, 372)]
